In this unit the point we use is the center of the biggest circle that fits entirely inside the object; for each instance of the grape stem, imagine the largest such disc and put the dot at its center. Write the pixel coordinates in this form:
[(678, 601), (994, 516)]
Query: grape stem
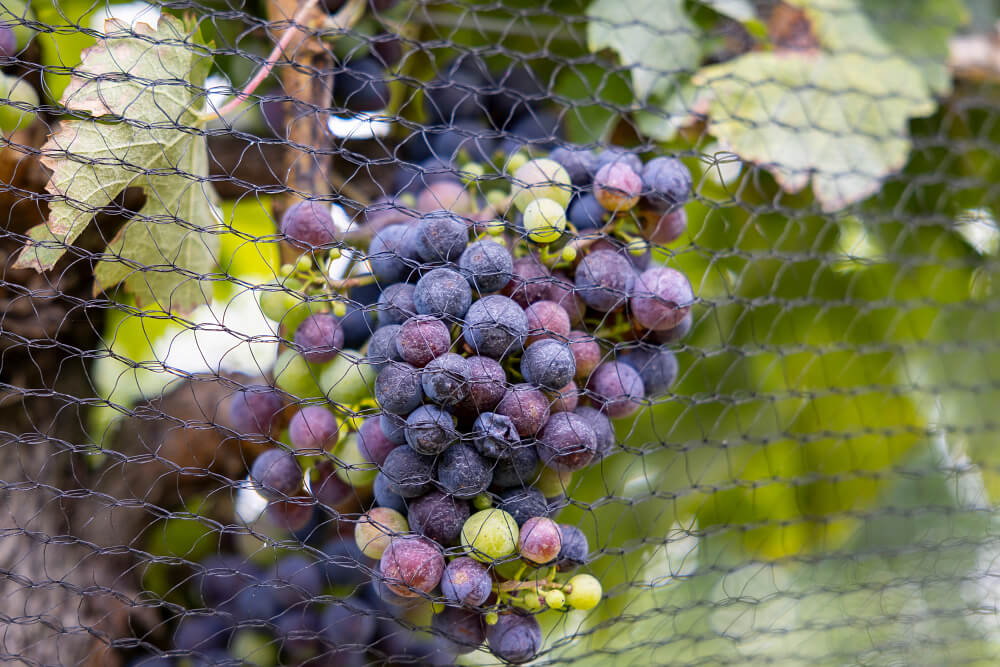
[(513, 585)]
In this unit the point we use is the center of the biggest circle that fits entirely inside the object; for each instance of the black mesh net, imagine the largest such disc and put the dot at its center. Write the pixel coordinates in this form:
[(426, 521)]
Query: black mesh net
[(592, 332)]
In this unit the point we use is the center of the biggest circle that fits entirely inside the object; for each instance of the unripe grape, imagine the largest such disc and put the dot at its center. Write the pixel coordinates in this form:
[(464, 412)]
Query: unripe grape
[(357, 470), (490, 535), (555, 599), (15, 91), (542, 179), (544, 220), (531, 601), (276, 303), (296, 376), (375, 529), (584, 592), (347, 379), (539, 541), (617, 186)]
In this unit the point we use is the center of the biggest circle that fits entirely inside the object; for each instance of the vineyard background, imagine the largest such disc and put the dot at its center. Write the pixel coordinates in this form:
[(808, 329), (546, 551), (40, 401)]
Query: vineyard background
[(820, 484)]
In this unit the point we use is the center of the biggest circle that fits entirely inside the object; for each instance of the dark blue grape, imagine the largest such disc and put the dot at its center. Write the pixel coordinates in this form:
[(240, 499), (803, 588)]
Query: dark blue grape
[(495, 326), (365, 295), (297, 579), (666, 182), (461, 627), (604, 280), (586, 213), (462, 472), (201, 634), (445, 380), (319, 338), (235, 587), (603, 430), (518, 468), (409, 474), (394, 427), (487, 266), (348, 627), (382, 347), (442, 293), (676, 334), (465, 138), (358, 325), (298, 631), (386, 497), (574, 550), (538, 130), (441, 236), (494, 435), (361, 86), (393, 253), (455, 93), (466, 581), (548, 364), (343, 563), (515, 638), (395, 304), (487, 384), (397, 388), (580, 163), (430, 430), (519, 90), (439, 517), (523, 503), (276, 474), (657, 368)]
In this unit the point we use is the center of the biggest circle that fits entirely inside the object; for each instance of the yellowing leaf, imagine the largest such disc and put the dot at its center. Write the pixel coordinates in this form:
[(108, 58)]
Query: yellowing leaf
[(653, 37), (141, 87)]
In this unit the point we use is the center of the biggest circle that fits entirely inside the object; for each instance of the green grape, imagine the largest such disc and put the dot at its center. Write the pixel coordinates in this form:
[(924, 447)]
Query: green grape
[(295, 316), (541, 179), (553, 482), (15, 90), (544, 220), (496, 197), (508, 569), (276, 302), (532, 601), (482, 501), (490, 535), (491, 618), (585, 592), (339, 308), (255, 648), (375, 529), (347, 380), (296, 376), (357, 470), (555, 599)]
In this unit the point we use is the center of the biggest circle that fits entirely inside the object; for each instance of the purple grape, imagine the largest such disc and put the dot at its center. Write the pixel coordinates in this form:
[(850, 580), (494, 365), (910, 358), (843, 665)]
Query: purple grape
[(412, 565), (586, 213), (393, 253), (663, 228), (455, 94), (8, 41), (523, 503), (296, 578), (526, 407), (487, 383), (385, 497), (548, 364), (313, 428), (276, 474), (298, 632), (604, 280), (361, 86), (515, 638), (309, 224), (373, 443), (439, 517), (586, 353), (539, 540), (441, 236), (676, 334), (253, 409), (442, 293), (319, 338), (395, 304), (462, 472), (421, 339), (519, 89), (347, 627), (494, 435), (575, 548), (382, 347), (397, 388), (666, 182), (466, 581), (564, 400), (445, 380), (547, 319), (358, 325), (517, 469), (618, 387), (430, 430), (394, 427), (661, 298), (638, 262), (343, 562), (495, 326), (326, 485), (408, 473), (530, 281), (657, 367), (566, 442), (201, 634), (487, 266), (614, 154), (580, 163), (462, 628), (602, 428), (293, 514)]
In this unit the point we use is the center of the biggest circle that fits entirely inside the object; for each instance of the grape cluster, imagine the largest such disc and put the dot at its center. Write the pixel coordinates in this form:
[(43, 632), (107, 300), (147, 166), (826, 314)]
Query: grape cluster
[(453, 388)]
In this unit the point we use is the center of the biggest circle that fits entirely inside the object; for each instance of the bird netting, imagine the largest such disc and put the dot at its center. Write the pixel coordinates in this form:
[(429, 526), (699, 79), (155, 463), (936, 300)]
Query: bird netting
[(592, 332)]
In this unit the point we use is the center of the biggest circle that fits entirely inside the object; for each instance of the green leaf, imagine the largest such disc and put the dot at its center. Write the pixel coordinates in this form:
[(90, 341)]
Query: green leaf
[(839, 120), (738, 10), (151, 77), (653, 37)]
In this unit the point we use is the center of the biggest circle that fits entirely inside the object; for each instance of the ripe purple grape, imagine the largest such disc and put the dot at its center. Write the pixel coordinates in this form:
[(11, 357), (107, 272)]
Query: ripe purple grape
[(564, 400), (397, 388), (393, 253), (394, 427), (439, 517), (201, 634), (344, 627), (358, 325), (515, 637), (395, 304), (526, 407), (529, 281), (466, 581), (430, 430), (253, 409), (296, 578), (566, 442), (618, 387), (563, 292), (657, 367), (548, 364), (343, 563), (586, 352), (326, 486), (603, 430), (462, 472), (313, 428), (276, 474), (444, 196), (517, 468), (487, 266), (385, 497), (580, 163), (319, 338), (617, 186), (442, 293), (676, 334), (8, 41), (487, 384), (441, 236), (539, 541), (546, 319), (421, 339), (586, 213), (412, 565), (408, 474), (382, 347), (661, 298), (445, 380), (462, 628), (495, 326), (666, 182), (523, 503), (373, 443), (494, 435), (309, 224), (663, 228), (618, 154), (604, 280), (293, 514), (575, 548)]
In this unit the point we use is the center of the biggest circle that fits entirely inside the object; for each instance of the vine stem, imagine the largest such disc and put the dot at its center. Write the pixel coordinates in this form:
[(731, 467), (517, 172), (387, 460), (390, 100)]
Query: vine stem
[(509, 586)]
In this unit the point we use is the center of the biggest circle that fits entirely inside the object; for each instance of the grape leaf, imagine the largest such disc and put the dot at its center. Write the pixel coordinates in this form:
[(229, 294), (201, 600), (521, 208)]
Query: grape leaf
[(140, 87), (653, 37)]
